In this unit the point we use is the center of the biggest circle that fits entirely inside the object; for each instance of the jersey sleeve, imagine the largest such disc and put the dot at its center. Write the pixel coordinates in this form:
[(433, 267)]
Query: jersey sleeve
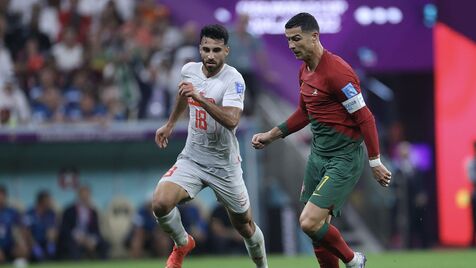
[(299, 118), (235, 92), (349, 94), (186, 71), (296, 121)]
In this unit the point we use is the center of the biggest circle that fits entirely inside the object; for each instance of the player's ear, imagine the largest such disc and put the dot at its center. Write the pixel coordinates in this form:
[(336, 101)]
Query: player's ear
[(227, 50), (315, 36)]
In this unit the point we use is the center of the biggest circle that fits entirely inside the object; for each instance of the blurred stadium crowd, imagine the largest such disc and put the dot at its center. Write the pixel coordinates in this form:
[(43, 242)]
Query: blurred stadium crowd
[(70, 61), (44, 232)]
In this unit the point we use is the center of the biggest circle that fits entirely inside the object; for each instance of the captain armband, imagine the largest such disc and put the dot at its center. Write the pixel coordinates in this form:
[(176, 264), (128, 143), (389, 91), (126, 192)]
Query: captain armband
[(354, 104)]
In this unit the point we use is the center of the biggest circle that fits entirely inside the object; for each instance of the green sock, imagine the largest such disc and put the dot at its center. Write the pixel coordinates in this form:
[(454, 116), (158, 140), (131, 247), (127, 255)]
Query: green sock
[(317, 236)]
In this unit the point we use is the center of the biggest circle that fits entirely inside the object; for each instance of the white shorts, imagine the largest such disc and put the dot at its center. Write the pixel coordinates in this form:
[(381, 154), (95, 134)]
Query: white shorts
[(226, 182)]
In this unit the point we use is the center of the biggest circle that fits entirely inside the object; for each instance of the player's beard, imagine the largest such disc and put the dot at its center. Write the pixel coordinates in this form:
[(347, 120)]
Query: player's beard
[(212, 69)]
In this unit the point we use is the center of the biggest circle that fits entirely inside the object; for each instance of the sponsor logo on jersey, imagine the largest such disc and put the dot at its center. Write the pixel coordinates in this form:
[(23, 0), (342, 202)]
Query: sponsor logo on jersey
[(240, 88), (193, 102), (349, 91), (314, 93)]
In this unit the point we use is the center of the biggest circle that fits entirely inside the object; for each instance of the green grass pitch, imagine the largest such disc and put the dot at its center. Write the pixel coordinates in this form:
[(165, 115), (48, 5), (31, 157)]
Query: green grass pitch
[(404, 259)]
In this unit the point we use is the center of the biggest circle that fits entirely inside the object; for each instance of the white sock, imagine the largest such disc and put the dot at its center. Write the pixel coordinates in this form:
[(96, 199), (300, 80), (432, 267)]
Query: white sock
[(256, 248), (172, 225)]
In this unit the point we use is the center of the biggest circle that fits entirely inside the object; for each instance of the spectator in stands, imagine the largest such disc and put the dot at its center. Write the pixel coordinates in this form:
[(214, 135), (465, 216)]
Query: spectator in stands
[(49, 22), (246, 54), (14, 106), (412, 199), (30, 61), (32, 30), (88, 110), (147, 235), (12, 241), (91, 110), (110, 97), (6, 62), (42, 228), (72, 18), (46, 100), (80, 236), (124, 77), (68, 53), (224, 239)]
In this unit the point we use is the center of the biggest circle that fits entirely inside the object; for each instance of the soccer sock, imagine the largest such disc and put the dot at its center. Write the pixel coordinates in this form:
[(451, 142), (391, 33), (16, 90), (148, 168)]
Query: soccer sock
[(172, 225), (325, 258), (329, 237), (256, 248)]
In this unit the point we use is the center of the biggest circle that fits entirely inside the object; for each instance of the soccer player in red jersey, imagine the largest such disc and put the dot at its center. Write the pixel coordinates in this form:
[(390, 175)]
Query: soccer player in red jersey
[(331, 101)]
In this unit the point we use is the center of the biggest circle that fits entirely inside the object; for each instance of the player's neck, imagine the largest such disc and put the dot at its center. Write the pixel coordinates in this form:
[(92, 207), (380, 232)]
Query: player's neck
[(209, 74), (315, 57)]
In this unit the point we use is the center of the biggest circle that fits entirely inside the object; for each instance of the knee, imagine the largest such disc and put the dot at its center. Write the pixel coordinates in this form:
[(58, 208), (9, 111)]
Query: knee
[(310, 225), (162, 204)]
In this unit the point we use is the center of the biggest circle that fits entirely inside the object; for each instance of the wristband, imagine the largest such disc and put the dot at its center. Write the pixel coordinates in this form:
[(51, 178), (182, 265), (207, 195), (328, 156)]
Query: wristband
[(375, 162)]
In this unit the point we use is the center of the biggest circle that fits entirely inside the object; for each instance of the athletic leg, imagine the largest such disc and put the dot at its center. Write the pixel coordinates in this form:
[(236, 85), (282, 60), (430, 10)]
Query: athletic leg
[(182, 182), (166, 196), (314, 223), (230, 189), (252, 235), (325, 258)]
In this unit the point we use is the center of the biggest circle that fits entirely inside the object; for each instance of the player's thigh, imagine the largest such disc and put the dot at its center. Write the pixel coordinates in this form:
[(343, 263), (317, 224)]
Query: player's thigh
[(230, 189), (312, 175), (340, 177), (184, 178)]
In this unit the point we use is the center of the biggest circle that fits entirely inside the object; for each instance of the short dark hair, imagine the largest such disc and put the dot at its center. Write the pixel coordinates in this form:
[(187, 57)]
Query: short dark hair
[(216, 32), (41, 196), (306, 21)]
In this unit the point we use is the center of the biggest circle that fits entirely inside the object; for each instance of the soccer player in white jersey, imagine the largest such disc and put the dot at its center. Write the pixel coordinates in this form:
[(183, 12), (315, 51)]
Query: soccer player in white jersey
[(214, 93)]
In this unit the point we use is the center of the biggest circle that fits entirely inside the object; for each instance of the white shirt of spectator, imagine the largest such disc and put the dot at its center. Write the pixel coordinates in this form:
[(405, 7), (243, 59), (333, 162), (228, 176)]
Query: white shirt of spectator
[(49, 22), (6, 64), (16, 103), (208, 142), (68, 58)]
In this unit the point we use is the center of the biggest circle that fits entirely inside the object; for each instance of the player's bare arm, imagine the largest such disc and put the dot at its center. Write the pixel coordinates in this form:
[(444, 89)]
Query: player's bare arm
[(228, 117), (260, 140), (162, 134)]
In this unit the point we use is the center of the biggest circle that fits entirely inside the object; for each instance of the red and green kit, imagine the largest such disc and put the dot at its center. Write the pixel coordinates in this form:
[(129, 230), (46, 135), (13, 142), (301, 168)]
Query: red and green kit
[(331, 100)]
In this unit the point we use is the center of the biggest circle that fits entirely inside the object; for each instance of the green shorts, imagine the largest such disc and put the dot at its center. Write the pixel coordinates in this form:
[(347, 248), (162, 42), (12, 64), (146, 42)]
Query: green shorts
[(329, 180)]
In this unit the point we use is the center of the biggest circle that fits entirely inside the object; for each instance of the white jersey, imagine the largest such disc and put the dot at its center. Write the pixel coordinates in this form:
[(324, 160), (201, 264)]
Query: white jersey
[(208, 142)]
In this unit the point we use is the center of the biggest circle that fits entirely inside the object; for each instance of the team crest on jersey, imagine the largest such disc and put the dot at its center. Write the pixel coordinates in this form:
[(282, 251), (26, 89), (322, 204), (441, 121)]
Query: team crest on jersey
[(240, 88), (349, 91)]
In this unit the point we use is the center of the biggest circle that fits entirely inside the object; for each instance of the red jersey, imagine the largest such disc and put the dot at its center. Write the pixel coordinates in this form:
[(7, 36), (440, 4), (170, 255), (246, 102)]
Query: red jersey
[(331, 100)]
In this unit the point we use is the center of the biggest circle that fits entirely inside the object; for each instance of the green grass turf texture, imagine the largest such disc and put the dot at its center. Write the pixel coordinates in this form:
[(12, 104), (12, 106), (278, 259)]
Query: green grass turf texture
[(404, 259)]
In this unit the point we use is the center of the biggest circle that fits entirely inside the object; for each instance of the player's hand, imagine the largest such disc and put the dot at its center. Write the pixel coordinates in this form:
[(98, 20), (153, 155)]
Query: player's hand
[(382, 175), (260, 140), (186, 89), (162, 136)]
